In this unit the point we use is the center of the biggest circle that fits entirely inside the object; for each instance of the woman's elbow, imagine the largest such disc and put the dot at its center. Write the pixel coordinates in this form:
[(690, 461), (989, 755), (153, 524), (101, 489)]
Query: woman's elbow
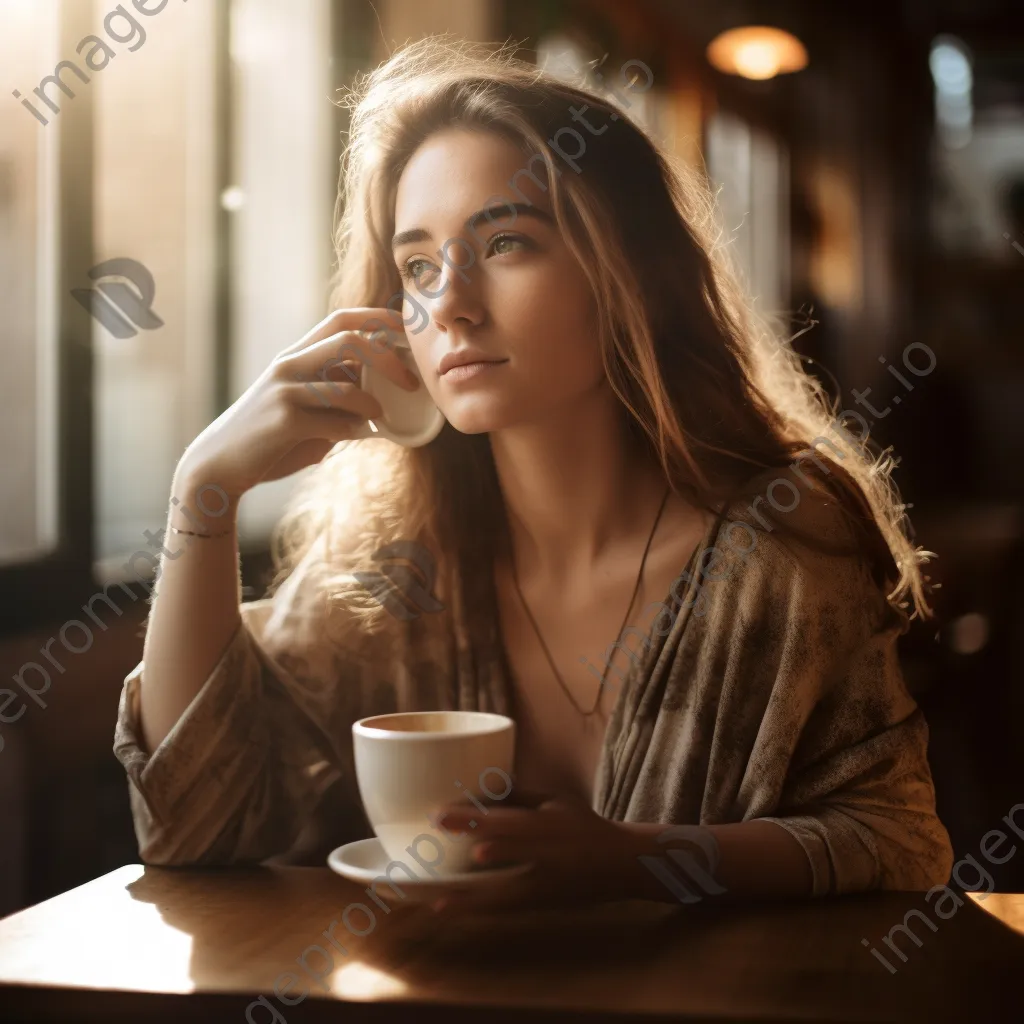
[(920, 866)]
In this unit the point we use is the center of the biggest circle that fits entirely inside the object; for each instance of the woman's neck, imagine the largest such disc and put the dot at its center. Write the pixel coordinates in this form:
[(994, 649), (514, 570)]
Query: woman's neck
[(575, 487)]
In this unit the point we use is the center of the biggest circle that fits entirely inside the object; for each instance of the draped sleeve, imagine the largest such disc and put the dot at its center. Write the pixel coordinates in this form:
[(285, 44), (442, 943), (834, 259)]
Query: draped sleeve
[(260, 763), (778, 694)]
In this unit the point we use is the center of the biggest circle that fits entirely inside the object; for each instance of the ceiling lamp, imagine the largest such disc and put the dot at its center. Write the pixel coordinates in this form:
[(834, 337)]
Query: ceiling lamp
[(757, 51)]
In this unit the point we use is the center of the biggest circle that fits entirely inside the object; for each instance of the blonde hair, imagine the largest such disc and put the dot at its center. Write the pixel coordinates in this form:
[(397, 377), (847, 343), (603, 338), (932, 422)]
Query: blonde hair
[(715, 394)]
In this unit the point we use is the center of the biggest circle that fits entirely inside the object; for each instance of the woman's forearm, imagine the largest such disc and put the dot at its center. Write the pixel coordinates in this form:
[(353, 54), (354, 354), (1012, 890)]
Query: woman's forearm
[(754, 859), (195, 609)]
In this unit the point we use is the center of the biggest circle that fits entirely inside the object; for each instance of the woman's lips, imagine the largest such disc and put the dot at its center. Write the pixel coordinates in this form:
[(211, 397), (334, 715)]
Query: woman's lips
[(467, 371)]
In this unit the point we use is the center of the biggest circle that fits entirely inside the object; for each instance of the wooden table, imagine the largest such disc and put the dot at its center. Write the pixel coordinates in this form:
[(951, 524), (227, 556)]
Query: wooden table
[(147, 944)]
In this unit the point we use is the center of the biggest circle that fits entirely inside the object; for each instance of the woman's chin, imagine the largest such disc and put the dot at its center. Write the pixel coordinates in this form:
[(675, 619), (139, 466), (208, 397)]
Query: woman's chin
[(479, 417)]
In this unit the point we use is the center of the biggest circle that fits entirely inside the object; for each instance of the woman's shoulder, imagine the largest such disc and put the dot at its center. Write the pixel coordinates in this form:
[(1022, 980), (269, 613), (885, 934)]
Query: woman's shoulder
[(798, 535), (795, 501)]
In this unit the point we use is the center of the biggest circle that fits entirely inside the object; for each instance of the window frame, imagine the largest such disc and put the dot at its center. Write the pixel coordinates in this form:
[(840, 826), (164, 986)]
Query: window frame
[(44, 589), (34, 590)]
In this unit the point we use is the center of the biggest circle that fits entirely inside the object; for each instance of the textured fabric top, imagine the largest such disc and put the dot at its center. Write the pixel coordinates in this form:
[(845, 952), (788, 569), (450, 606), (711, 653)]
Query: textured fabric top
[(772, 691)]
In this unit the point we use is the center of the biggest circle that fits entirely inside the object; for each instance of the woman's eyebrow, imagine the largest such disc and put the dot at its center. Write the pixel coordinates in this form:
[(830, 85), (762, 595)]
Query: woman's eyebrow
[(490, 213)]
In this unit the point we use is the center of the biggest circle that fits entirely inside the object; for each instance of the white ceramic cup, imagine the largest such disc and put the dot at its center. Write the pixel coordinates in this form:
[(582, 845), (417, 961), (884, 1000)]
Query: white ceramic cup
[(410, 417), (410, 765)]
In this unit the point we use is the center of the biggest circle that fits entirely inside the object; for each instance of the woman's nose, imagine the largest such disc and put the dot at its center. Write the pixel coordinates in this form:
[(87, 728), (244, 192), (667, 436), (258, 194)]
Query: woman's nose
[(455, 296)]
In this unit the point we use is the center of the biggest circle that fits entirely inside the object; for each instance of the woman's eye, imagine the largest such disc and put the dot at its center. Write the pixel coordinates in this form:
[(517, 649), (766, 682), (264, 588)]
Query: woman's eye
[(501, 244), (419, 269), (415, 269)]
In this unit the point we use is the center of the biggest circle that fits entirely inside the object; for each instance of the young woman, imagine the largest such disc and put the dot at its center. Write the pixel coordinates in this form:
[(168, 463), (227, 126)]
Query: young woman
[(621, 437)]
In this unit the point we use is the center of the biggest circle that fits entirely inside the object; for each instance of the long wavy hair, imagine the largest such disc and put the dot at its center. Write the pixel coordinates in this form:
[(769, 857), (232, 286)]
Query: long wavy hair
[(714, 393)]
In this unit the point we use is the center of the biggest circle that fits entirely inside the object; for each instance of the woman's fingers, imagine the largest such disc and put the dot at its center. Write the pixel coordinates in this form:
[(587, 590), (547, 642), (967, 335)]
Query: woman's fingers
[(498, 821), (335, 396), (303, 395), (345, 353), (520, 797), (358, 318), (329, 425), (507, 850)]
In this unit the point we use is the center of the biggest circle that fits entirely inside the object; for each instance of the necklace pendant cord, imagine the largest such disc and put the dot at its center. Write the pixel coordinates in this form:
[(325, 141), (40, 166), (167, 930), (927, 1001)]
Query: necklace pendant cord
[(629, 608)]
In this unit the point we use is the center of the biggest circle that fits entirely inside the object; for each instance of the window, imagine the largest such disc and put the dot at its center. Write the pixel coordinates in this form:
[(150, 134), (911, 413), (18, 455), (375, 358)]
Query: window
[(28, 284)]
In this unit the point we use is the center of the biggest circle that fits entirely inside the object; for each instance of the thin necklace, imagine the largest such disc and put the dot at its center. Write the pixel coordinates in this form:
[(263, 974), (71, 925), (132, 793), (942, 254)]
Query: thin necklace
[(629, 607)]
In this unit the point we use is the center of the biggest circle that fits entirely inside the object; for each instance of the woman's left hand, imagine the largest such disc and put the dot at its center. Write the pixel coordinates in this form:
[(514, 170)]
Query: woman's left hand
[(576, 855)]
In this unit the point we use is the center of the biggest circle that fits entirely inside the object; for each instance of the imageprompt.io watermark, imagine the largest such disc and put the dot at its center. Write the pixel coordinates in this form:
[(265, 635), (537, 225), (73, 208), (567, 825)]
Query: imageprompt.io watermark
[(491, 213), (288, 981), (702, 879), (946, 901), (78, 630), (119, 308), (405, 584), (121, 26)]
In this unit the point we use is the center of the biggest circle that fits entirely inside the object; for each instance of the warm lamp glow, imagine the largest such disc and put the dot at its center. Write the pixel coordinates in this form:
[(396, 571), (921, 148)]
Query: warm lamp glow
[(757, 51)]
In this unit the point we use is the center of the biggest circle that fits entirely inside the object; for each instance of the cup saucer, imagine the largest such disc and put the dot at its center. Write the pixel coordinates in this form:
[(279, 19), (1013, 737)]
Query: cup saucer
[(365, 860)]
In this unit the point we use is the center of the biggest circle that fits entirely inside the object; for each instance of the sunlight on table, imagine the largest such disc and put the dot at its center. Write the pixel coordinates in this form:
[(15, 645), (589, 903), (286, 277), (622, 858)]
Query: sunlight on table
[(361, 981), (1006, 906), (82, 954)]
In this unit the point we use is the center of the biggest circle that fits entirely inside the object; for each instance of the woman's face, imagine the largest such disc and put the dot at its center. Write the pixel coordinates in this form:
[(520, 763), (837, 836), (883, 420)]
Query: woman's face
[(502, 288)]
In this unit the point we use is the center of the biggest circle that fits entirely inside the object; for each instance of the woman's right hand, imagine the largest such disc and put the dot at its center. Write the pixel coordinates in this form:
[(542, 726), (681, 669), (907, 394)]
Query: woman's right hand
[(304, 403)]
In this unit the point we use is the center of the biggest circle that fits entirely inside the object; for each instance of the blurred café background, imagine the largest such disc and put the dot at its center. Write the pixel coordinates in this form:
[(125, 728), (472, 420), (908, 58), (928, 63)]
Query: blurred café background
[(869, 162)]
